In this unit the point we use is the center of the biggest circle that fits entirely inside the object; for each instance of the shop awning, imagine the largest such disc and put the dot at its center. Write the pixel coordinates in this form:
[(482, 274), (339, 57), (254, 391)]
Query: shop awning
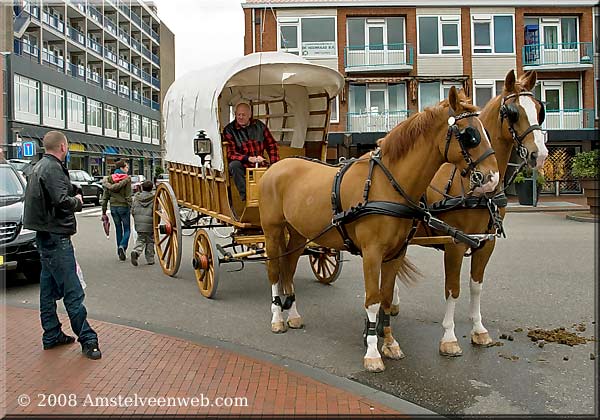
[(76, 147), (111, 150)]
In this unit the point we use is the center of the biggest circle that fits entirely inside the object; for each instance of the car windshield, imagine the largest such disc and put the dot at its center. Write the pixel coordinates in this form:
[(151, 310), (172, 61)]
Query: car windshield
[(19, 166), (86, 176), (135, 178), (10, 185)]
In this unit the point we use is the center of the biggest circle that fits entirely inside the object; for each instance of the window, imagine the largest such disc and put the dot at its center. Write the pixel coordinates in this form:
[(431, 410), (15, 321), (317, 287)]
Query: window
[(75, 111), (146, 134), (563, 104), (155, 132), (493, 34), (439, 34), (136, 129), (376, 107), (334, 116), (311, 37), (486, 90), (124, 124), (94, 116), (430, 93), (53, 103), (110, 120), (26, 98)]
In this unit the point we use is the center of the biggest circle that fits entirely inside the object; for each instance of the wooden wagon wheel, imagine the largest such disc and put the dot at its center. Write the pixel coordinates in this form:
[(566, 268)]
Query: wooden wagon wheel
[(326, 264), (167, 229), (205, 261)]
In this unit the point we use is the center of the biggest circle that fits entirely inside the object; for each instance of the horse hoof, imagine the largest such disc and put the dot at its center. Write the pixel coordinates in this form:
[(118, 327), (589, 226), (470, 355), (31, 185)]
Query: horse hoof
[(393, 352), (482, 339), (450, 348), (295, 323), (278, 327), (374, 364), (394, 310)]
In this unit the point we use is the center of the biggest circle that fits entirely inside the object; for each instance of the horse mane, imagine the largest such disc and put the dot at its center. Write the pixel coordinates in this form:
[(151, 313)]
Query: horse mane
[(403, 137)]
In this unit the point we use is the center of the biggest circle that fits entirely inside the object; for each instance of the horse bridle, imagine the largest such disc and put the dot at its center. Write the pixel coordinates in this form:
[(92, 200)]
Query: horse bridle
[(511, 113), (467, 139)]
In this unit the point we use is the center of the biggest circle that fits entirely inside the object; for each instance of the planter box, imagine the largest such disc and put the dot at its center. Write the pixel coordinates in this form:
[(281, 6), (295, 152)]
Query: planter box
[(592, 194), (525, 193)]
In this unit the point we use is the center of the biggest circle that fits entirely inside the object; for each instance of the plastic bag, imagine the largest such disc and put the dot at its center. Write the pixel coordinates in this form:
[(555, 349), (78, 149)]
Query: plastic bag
[(80, 275), (134, 234)]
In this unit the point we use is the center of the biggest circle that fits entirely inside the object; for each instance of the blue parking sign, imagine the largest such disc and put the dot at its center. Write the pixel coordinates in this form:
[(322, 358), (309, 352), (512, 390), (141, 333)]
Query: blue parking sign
[(28, 148)]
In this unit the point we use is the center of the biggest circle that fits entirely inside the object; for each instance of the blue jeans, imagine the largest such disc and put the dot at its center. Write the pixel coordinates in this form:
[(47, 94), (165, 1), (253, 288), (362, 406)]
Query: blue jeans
[(120, 216), (59, 280)]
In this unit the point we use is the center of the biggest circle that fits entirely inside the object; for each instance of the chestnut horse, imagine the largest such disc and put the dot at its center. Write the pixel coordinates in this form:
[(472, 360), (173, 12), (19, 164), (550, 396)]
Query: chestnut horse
[(296, 203), (512, 119)]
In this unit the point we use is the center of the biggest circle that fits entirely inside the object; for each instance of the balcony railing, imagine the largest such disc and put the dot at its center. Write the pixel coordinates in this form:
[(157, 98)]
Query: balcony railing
[(123, 63), (110, 84), (124, 36), (155, 106), (147, 102), (135, 95), (110, 54), (569, 119), (146, 76), (155, 59), (53, 21), (75, 35), (124, 90), (33, 10), (155, 82), (54, 60), (368, 122), (378, 57), (136, 70), (110, 26), (124, 8), (558, 54), (31, 49), (93, 45), (78, 5), (93, 77), (136, 44), (147, 53), (136, 19), (77, 71), (95, 14)]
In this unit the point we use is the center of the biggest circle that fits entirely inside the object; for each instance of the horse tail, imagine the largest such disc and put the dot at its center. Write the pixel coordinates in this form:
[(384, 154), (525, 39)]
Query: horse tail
[(407, 272)]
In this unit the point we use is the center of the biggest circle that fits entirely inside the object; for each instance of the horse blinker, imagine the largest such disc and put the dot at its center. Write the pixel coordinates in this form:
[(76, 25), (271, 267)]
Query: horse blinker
[(469, 138)]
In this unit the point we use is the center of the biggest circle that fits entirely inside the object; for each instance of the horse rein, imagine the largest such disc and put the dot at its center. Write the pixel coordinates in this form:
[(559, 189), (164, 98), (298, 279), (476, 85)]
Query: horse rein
[(507, 112), (476, 177)]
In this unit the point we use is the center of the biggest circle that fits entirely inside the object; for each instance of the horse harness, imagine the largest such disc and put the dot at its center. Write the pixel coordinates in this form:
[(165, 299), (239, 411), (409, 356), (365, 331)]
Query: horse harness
[(467, 138), (509, 112)]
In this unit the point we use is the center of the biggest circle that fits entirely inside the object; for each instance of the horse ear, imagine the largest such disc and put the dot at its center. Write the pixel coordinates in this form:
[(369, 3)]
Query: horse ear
[(528, 80), (509, 82), (453, 99)]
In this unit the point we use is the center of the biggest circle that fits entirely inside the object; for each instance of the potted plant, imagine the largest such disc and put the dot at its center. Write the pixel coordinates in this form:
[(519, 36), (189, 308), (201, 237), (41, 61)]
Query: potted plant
[(585, 168), (524, 186)]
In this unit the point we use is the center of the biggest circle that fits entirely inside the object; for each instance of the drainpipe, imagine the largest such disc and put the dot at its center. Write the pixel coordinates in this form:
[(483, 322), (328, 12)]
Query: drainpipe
[(253, 30)]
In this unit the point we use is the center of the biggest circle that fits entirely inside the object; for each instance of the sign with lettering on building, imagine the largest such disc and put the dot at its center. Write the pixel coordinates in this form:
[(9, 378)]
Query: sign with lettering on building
[(28, 148), (318, 49)]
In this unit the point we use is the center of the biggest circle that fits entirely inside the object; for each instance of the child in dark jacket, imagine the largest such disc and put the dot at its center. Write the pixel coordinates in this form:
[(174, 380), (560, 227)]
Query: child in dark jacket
[(142, 210)]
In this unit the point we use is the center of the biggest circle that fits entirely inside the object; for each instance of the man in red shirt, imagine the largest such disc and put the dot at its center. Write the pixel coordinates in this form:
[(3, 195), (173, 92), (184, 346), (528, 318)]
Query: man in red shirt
[(247, 139)]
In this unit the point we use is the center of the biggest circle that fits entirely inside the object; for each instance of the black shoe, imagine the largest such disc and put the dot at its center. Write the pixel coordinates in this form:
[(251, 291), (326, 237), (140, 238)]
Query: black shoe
[(62, 340), (91, 350), (121, 253), (134, 257)]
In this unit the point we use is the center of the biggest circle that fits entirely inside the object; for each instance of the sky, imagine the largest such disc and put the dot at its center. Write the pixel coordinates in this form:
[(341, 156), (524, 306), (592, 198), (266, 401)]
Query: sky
[(206, 31)]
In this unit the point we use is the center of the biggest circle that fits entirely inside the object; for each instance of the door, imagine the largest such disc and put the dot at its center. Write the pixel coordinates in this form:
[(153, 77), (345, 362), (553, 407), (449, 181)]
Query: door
[(377, 109), (376, 47), (562, 105), (550, 41)]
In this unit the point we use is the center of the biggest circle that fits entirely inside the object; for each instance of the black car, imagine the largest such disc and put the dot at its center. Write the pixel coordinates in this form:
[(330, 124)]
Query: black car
[(87, 186), (17, 244)]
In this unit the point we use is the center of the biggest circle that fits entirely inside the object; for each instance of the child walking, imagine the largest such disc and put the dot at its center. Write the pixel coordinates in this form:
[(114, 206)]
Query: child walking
[(142, 210)]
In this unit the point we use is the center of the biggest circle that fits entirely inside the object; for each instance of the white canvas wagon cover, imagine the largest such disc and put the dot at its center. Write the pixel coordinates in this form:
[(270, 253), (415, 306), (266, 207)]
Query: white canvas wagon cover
[(198, 99)]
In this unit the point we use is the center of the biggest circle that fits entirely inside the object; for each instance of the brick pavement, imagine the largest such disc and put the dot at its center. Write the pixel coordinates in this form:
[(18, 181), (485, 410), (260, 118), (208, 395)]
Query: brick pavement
[(146, 364)]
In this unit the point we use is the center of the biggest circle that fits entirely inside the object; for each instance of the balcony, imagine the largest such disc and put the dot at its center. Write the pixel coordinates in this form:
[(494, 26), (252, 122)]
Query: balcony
[(569, 119), (124, 9), (379, 58), (110, 84), (146, 53), (93, 77), (136, 45), (147, 102), (124, 37), (110, 26), (94, 46), (123, 63), (53, 22), (77, 71), (55, 61), (33, 10), (155, 82), (75, 35), (110, 54), (135, 95), (575, 56), (31, 49), (136, 19), (146, 76), (155, 106), (155, 59), (95, 15), (369, 122), (124, 91), (79, 5), (136, 70)]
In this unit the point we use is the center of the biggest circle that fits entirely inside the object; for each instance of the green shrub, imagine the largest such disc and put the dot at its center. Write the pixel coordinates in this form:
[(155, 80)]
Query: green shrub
[(585, 164), (526, 174), (158, 171)]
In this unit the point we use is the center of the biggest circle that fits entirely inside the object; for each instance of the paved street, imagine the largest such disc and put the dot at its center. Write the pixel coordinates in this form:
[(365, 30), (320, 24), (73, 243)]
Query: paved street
[(541, 276)]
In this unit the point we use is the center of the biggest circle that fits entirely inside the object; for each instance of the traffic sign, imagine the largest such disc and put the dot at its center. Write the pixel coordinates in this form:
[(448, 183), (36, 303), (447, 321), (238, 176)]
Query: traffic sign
[(28, 148)]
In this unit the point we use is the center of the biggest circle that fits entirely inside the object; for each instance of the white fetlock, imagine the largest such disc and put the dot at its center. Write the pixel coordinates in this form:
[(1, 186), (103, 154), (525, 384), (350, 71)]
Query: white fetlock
[(374, 364)]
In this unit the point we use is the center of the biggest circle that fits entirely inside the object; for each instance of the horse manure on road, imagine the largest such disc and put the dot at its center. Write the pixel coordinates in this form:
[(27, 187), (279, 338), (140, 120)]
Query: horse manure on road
[(557, 335)]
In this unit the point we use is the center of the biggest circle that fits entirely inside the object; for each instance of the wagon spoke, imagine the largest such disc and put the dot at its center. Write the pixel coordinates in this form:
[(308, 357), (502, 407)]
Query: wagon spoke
[(163, 239)]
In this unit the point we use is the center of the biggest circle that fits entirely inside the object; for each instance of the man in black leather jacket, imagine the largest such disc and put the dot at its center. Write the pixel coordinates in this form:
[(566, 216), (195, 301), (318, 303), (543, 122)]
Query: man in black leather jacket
[(50, 206)]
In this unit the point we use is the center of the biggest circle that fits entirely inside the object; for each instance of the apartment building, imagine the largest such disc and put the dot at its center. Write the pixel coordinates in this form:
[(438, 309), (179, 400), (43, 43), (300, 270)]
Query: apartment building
[(399, 57), (93, 69)]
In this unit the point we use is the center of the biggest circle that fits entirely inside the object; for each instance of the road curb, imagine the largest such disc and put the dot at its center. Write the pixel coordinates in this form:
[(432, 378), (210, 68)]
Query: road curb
[(583, 217)]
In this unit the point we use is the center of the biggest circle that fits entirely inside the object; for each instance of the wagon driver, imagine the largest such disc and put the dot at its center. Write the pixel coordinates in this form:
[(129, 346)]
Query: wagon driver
[(247, 139)]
